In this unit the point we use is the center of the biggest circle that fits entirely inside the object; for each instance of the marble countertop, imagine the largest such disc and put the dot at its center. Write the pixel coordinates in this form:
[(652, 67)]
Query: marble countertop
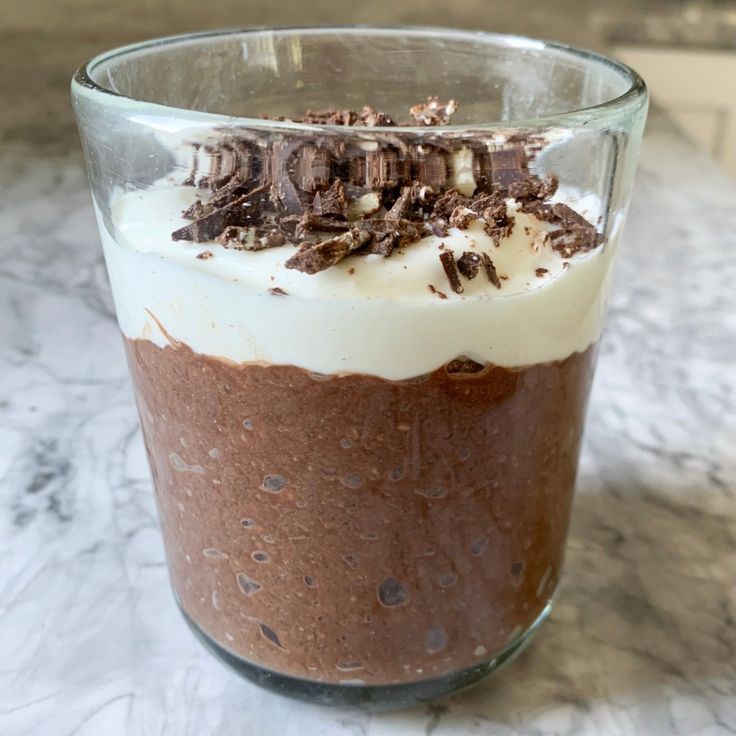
[(643, 638)]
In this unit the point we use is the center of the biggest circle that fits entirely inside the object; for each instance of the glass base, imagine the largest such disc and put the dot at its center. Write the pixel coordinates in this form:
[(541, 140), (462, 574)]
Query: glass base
[(370, 696)]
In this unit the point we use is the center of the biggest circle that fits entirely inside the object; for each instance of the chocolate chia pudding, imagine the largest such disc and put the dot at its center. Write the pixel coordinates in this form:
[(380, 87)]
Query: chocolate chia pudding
[(347, 528), (361, 366)]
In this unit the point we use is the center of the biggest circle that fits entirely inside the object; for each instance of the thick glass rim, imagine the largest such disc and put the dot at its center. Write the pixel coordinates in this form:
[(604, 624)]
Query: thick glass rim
[(83, 81)]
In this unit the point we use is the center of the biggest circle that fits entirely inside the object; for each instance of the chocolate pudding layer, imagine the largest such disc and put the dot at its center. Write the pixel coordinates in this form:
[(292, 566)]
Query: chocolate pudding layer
[(350, 528)]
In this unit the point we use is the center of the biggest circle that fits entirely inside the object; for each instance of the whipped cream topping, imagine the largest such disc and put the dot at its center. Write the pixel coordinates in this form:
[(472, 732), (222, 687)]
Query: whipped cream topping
[(369, 314)]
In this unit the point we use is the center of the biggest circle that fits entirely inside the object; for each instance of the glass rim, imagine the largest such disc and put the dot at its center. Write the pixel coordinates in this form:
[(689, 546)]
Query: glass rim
[(636, 92)]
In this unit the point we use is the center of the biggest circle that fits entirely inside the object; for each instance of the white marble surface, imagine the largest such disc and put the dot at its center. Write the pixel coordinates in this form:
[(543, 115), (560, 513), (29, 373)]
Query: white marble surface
[(643, 639)]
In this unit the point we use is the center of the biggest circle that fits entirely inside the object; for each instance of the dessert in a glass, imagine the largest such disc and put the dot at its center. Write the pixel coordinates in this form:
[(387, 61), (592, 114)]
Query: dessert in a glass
[(361, 276)]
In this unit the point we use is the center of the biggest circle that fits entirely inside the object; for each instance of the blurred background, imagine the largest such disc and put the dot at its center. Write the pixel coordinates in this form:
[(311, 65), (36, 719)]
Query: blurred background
[(686, 49)]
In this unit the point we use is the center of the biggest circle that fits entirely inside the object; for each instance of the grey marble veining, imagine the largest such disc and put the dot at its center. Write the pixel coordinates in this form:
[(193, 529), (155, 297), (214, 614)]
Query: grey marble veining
[(643, 637)]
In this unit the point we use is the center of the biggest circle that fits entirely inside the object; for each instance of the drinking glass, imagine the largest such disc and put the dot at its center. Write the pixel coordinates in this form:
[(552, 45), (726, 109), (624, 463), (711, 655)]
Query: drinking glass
[(363, 482)]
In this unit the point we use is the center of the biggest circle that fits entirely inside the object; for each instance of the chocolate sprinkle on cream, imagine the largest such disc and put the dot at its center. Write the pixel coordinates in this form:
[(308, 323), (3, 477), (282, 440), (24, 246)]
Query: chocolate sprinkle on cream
[(468, 264), (440, 294), (312, 258), (432, 113), (350, 197), (490, 270), (447, 259)]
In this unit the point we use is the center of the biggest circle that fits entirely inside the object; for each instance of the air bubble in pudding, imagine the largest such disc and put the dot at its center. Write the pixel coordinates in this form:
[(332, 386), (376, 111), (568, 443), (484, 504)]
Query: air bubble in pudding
[(247, 523), (447, 580), (392, 593), (273, 483), (517, 570), (480, 651), (431, 492), (353, 480), (350, 666), (345, 443), (318, 376), (397, 473), (350, 561), (479, 547), (435, 640), (247, 584), (181, 467), (248, 424), (214, 453), (310, 581), (216, 600), (260, 556), (214, 553), (271, 636), (464, 454)]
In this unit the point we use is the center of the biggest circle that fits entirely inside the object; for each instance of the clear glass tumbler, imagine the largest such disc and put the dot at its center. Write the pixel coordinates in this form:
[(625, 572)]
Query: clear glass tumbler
[(361, 275)]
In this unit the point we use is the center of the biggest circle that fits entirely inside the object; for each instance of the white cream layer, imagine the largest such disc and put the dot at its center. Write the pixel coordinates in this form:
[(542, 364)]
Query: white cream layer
[(381, 319)]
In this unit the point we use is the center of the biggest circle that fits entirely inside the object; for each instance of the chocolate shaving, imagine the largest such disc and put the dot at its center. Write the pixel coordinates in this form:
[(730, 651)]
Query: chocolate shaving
[(205, 255), (245, 238), (461, 217), (468, 264), (448, 202), (192, 176), (400, 208), (328, 117), (196, 210), (311, 169), (385, 169), (385, 234), (498, 223), (447, 259), (285, 197), (432, 113), (440, 294), (423, 196), (332, 202), (540, 272), (368, 117), (429, 166), (315, 258), (370, 196), (316, 223), (490, 270), (438, 227), (570, 233), (232, 189), (534, 188), (486, 200), (373, 118), (243, 211), (277, 291), (271, 239), (507, 166)]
